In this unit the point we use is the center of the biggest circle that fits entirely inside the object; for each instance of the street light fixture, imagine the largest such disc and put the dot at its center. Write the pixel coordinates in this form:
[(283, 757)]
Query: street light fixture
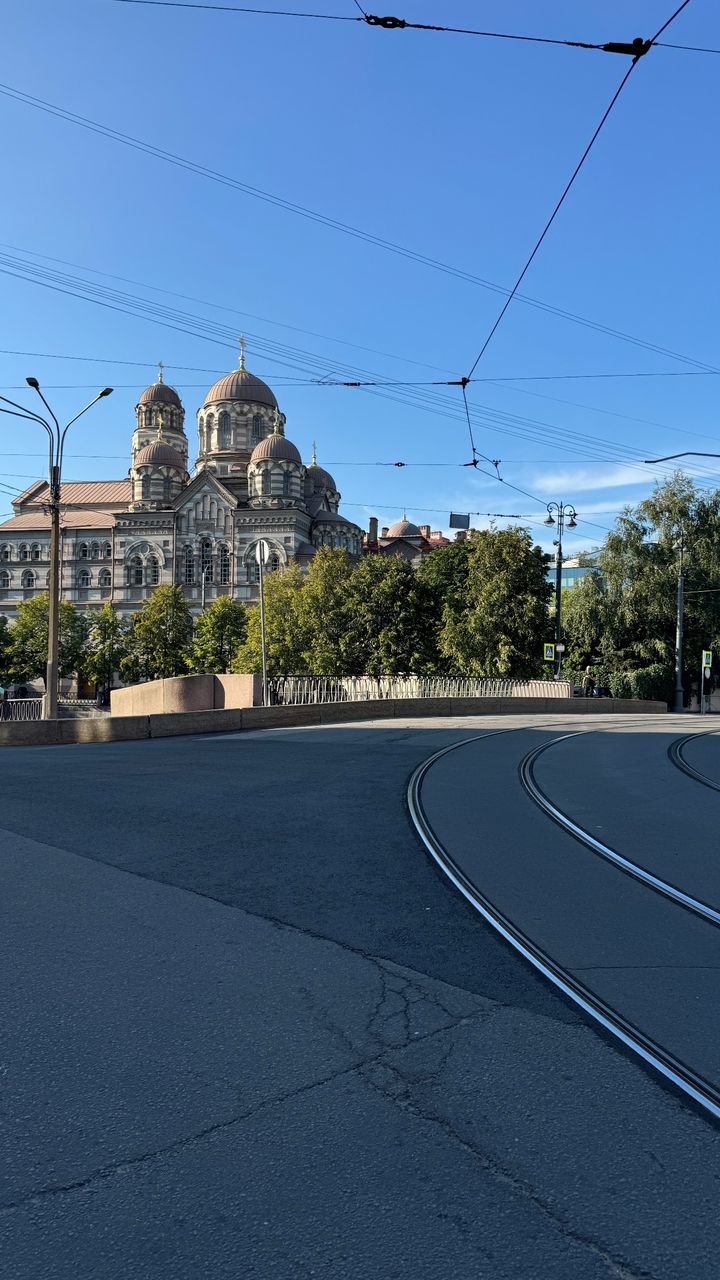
[(558, 512), (56, 437)]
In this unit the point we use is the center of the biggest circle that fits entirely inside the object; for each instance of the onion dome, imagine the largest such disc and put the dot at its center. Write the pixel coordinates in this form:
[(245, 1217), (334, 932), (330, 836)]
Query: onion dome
[(322, 481), (275, 447), (161, 454), (160, 392), (403, 529), (241, 385)]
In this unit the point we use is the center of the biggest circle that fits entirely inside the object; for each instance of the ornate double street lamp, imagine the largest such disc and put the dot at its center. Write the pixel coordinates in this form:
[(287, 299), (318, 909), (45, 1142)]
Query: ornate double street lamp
[(56, 438), (558, 512)]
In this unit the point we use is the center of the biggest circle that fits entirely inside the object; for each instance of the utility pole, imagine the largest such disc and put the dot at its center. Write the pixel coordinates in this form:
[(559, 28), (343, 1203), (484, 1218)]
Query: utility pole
[(558, 511), (56, 438)]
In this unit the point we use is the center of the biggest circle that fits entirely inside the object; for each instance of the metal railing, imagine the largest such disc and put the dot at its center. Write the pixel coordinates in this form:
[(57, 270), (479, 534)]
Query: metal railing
[(16, 709), (307, 690)]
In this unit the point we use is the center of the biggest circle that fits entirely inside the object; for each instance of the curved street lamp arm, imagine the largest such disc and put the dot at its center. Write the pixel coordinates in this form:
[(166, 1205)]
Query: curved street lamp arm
[(99, 396), (29, 416)]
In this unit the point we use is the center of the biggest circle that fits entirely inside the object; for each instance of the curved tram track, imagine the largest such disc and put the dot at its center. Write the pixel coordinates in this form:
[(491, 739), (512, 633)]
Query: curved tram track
[(696, 1086)]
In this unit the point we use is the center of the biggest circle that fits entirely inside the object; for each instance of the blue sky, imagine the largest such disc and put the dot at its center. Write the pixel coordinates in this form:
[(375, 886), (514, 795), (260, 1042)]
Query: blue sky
[(454, 146)]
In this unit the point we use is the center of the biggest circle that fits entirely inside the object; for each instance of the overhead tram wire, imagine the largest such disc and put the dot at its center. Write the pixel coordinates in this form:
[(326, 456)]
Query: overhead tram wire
[(132, 304), (401, 24), (334, 224), (206, 330), (641, 51)]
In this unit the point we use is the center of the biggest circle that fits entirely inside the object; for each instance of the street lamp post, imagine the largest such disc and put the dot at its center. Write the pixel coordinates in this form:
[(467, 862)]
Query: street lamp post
[(56, 447), (559, 511)]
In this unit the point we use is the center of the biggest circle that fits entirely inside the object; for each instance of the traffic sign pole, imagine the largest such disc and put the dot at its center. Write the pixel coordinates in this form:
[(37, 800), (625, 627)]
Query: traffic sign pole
[(261, 551)]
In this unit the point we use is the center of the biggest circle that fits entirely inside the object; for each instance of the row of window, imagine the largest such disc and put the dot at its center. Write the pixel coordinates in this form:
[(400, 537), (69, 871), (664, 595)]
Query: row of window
[(34, 551), (139, 573), (266, 484)]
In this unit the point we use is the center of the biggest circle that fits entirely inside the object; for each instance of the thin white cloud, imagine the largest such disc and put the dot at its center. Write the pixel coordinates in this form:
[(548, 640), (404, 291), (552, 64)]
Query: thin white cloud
[(590, 480)]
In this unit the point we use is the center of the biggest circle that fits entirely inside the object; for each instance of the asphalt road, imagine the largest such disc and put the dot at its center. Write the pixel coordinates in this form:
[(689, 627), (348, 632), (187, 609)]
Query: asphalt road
[(249, 1030)]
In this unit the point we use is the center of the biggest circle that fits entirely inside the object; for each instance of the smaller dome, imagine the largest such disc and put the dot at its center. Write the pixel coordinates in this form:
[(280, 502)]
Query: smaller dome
[(160, 393), (403, 529), (160, 453), (275, 447), (322, 481)]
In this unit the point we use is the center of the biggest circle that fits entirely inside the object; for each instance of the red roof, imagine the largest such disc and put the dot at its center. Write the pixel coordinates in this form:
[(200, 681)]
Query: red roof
[(39, 520), (113, 494)]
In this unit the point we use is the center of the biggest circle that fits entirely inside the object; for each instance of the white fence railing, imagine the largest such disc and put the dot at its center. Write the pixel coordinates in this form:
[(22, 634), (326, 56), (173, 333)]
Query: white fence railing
[(305, 690), (20, 709)]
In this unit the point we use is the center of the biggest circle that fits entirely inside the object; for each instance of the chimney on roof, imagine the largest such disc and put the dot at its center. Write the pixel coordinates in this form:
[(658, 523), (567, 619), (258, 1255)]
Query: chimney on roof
[(425, 531), (372, 529), (384, 531)]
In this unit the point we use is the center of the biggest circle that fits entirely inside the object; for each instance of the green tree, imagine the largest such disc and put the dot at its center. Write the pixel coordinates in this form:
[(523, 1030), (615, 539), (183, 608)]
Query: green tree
[(160, 637), (107, 645), (626, 624), (390, 627), (324, 612), (499, 627), (29, 641), (284, 628), (219, 632)]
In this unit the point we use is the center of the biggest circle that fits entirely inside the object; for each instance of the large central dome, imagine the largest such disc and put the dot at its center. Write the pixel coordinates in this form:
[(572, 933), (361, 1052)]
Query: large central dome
[(241, 385)]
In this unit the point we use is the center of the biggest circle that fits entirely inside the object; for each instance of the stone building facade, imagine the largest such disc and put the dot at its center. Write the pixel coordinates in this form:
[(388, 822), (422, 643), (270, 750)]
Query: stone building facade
[(168, 523)]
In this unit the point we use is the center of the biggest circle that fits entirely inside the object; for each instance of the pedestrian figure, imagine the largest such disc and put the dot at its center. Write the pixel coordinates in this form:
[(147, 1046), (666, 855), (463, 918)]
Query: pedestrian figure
[(588, 683)]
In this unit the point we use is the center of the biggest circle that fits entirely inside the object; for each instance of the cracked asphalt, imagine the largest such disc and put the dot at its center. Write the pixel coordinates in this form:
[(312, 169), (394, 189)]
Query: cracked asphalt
[(249, 1031)]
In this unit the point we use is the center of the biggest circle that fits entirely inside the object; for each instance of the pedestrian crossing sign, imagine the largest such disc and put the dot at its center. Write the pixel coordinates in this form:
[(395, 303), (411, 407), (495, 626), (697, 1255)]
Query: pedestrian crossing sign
[(707, 657), (549, 652)]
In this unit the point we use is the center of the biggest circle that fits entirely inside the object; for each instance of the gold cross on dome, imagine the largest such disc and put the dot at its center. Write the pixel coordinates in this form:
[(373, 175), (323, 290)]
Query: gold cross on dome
[(241, 341), (314, 455), (161, 366), (160, 426)]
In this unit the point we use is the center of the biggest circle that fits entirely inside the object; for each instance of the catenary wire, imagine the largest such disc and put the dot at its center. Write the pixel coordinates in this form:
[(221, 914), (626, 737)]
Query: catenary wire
[(46, 277), (568, 188), (334, 224), (396, 24)]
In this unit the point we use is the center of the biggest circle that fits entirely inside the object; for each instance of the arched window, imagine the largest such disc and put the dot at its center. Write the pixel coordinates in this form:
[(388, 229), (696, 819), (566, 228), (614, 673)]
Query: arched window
[(153, 571), (107, 550), (104, 578), (4, 580), (135, 572), (265, 484), (24, 552), (167, 488), (254, 574), (83, 551), (209, 423), (206, 560), (224, 566), (273, 564), (225, 433), (83, 578), (28, 580), (35, 551), (287, 484), (149, 418), (256, 428), (146, 488), (95, 551), (189, 566), (5, 553)]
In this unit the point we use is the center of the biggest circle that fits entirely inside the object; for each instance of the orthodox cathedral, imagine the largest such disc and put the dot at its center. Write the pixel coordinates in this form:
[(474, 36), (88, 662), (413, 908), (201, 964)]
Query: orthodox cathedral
[(123, 538)]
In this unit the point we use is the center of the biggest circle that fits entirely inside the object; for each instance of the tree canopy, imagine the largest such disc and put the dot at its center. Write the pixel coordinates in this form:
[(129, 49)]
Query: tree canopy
[(219, 632), (159, 638), (622, 619), (28, 648)]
